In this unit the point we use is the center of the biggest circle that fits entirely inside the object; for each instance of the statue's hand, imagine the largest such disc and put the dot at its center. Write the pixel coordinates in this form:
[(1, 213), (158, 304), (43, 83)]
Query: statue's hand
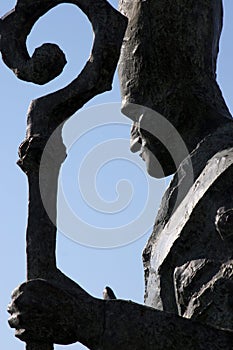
[(43, 312)]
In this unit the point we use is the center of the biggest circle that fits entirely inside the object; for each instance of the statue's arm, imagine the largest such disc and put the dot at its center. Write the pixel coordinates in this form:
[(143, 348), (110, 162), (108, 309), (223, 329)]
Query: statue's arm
[(43, 312)]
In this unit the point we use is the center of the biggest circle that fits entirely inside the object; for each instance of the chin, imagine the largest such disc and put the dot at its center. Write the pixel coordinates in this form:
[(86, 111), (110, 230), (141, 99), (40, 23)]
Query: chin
[(155, 173), (159, 172), (158, 166), (154, 170)]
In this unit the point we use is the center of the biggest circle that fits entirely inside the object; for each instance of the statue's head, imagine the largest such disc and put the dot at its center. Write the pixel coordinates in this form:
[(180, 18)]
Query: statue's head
[(168, 64)]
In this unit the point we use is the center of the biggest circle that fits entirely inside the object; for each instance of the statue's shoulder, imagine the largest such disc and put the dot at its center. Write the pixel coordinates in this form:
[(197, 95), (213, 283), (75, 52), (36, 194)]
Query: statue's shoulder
[(191, 229)]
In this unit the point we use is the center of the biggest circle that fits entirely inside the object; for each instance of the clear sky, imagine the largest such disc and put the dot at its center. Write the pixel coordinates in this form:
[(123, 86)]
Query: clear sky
[(93, 268)]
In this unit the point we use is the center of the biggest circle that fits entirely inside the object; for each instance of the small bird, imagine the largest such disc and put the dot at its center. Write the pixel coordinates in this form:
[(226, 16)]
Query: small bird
[(108, 293)]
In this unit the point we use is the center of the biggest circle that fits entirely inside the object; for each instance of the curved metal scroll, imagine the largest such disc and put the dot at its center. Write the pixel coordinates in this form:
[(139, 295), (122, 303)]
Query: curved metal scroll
[(48, 112)]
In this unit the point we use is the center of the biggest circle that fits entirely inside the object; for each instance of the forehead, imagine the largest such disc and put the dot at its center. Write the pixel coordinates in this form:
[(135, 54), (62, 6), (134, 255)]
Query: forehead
[(142, 117), (133, 111)]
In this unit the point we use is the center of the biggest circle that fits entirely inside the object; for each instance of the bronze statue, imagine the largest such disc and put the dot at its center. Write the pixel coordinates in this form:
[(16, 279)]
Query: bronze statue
[(172, 70), (182, 125)]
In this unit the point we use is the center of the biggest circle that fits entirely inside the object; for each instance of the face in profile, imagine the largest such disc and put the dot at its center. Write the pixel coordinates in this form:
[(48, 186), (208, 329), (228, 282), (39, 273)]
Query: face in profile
[(159, 162), (159, 142)]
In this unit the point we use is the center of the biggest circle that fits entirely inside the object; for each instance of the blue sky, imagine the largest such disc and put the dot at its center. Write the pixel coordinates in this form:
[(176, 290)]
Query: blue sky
[(92, 268)]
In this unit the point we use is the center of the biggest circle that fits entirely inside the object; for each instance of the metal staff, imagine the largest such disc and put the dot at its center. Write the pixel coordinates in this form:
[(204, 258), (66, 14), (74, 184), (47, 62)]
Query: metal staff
[(48, 113)]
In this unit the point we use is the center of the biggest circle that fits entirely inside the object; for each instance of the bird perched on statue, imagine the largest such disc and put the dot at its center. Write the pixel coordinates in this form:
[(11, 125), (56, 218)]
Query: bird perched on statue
[(108, 293)]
